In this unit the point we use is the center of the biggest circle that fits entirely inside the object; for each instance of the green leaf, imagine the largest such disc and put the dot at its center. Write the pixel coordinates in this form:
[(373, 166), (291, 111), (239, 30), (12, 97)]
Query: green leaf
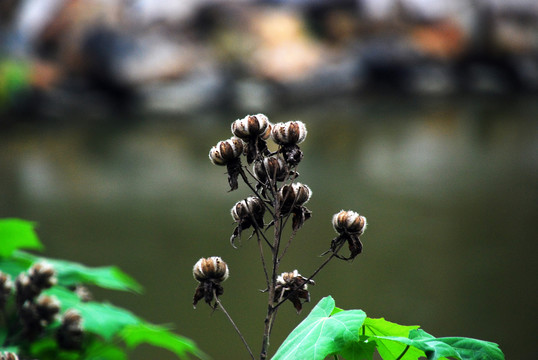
[(99, 318), (17, 234), (456, 348), (321, 334), (374, 328), (98, 350), (72, 273), (159, 336)]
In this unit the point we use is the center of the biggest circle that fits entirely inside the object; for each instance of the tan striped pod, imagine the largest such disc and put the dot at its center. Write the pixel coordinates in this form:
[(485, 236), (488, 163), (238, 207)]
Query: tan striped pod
[(226, 150), (289, 133), (349, 221)]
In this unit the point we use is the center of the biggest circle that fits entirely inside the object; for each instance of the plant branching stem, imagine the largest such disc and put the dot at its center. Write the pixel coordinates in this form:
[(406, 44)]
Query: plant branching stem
[(235, 327)]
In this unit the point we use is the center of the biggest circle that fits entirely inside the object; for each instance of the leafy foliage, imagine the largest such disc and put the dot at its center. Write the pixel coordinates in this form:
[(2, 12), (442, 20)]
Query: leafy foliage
[(105, 326), (329, 330)]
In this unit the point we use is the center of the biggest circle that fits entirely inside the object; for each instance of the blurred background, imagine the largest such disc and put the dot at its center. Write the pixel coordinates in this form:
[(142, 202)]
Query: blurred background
[(422, 116)]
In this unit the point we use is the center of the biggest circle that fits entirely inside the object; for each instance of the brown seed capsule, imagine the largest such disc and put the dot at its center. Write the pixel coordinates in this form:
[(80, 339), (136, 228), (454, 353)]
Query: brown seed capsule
[(47, 308), (42, 275), (350, 222), (294, 287), (290, 133), (9, 356), (70, 334), (251, 126), (212, 268), (270, 168), (226, 151), (248, 209), (294, 195)]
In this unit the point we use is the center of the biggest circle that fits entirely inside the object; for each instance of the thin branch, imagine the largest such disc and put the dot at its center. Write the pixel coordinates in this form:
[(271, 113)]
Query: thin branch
[(235, 327), (245, 179)]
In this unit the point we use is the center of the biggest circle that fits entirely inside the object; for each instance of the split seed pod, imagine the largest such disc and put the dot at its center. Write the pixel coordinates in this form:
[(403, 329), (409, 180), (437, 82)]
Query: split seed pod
[(294, 195), (226, 151), (350, 226), (350, 222), (294, 287), (289, 133), (251, 126), (209, 272), (212, 268), (246, 213), (270, 168)]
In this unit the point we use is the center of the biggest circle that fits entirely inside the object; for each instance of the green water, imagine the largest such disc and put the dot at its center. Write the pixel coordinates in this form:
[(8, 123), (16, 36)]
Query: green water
[(449, 188)]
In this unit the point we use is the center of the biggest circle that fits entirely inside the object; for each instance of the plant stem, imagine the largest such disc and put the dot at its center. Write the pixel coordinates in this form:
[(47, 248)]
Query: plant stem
[(235, 327), (402, 354)]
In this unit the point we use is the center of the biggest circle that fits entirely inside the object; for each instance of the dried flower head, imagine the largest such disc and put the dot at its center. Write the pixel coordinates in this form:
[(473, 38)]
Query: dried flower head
[(289, 133), (246, 213), (294, 287), (251, 126), (271, 168), (254, 130), (71, 333), (292, 200), (209, 272), (227, 153), (350, 226), (350, 222), (9, 356)]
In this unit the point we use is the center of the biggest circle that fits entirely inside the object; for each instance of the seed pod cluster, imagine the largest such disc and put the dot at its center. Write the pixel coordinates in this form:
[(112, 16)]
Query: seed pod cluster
[(350, 222), (226, 151), (289, 133), (251, 126), (272, 167), (36, 315), (209, 272), (294, 287)]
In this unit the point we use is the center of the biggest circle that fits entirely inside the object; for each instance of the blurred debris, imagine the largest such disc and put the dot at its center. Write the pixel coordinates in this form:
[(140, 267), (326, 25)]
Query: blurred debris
[(183, 56)]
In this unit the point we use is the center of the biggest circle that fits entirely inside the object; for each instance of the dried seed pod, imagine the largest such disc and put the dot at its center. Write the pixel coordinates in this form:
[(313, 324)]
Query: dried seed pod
[(250, 127), (294, 195), (248, 209), (6, 286), (210, 273), (47, 307), (212, 268), (350, 222), (9, 356), (246, 213), (289, 133), (70, 333), (293, 286), (350, 226), (226, 151), (270, 168), (42, 275), (24, 289)]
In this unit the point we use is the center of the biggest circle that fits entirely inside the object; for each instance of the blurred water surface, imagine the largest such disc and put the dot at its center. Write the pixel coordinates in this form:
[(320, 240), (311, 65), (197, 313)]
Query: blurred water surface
[(449, 187)]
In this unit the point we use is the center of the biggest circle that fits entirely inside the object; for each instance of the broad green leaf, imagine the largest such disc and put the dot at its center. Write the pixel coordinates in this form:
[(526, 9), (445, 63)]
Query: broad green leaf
[(17, 234), (72, 273), (14, 266), (47, 349), (456, 348), (321, 334), (390, 349), (159, 336), (99, 318)]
